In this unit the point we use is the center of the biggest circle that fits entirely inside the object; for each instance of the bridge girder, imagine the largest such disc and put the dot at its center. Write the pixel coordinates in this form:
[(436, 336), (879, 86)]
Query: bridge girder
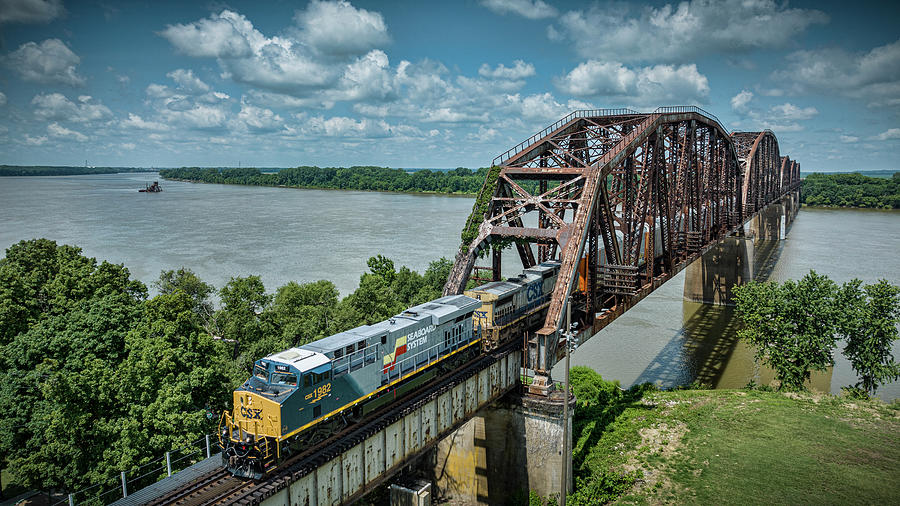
[(623, 200)]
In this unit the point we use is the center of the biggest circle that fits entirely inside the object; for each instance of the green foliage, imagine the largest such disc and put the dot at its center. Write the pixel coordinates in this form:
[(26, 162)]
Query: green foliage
[(869, 328), (600, 404), (382, 267), (42, 170), (590, 389), (304, 312), (793, 326), (473, 223), (460, 180), (851, 190), (603, 488), (185, 280), (97, 379)]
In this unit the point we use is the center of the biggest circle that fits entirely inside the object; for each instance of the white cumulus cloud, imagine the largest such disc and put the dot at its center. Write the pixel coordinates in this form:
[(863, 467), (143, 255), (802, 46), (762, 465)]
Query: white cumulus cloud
[(658, 84), (338, 28), (50, 62), (30, 11), (341, 126), (188, 82), (259, 118), (224, 35), (889, 134), (135, 121), (519, 70), (330, 41), (739, 102), (55, 106), (35, 141), (531, 9), (873, 76), (690, 28), (56, 130), (791, 112)]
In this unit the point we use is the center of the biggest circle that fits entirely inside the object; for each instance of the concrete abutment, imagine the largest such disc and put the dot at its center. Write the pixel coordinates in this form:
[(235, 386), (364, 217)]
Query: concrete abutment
[(507, 450), (711, 278)]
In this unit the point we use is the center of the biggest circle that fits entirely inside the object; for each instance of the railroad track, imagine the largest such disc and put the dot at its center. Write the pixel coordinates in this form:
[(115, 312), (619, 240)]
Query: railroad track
[(207, 489), (220, 487)]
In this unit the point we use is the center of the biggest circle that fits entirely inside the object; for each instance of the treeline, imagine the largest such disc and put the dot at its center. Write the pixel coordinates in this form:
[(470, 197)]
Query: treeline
[(41, 170), (459, 180), (98, 378), (851, 190)]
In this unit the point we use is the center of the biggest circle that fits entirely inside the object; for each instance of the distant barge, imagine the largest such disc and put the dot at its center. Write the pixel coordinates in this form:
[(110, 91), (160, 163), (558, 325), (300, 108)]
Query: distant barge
[(151, 188)]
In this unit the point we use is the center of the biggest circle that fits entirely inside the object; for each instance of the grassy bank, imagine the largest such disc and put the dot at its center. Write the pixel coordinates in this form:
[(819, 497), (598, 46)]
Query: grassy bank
[(735, 447)]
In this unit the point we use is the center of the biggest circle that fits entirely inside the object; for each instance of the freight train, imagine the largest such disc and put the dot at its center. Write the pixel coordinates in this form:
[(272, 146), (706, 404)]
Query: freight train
[(300, 396)]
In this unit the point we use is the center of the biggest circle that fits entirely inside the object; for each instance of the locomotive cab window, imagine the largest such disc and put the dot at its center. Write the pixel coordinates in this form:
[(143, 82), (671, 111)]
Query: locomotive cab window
[(349, 349), (360, 346), (338, 353), (284, 379), (260, 372)]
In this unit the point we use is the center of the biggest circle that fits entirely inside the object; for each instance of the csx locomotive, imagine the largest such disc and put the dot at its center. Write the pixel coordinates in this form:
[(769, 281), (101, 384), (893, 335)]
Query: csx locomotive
[(302, 395)]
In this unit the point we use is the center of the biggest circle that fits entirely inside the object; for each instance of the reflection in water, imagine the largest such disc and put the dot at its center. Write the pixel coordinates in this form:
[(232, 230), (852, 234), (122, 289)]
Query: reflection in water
[(699, 351), (765, 259), (706, 349)]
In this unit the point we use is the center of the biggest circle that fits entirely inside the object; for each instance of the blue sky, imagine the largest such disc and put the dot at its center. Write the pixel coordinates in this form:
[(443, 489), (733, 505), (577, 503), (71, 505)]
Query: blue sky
[(431, 84)]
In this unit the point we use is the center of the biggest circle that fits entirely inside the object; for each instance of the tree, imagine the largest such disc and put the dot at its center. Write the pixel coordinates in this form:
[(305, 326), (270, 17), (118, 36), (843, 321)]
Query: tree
[(793, 326), (304, 312), (869, 328), (243, 301), (185, 280), (407, 284), (174, 377), (373, 301), (382, 267), (64, 320)]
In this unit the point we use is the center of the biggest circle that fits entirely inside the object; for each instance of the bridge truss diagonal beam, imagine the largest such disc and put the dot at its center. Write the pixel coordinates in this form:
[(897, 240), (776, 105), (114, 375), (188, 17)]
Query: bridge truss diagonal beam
[(624, 201)]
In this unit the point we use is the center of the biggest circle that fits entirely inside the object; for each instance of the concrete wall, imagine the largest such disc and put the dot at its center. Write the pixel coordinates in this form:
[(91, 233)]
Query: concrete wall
[(712, 277), (768, 224), (507, 450), (381, 455)]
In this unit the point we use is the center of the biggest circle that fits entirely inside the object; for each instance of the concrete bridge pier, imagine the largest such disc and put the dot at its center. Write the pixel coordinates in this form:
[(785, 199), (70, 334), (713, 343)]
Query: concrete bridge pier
[(795, 203), (507, 450), (769, 223), (711, 278)]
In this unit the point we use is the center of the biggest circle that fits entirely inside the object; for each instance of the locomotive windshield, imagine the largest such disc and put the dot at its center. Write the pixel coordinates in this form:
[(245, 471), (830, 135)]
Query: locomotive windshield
[(261, 373), (284, 379)]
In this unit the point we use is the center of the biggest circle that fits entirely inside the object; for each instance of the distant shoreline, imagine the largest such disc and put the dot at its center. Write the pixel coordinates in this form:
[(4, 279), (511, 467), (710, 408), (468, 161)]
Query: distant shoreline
[(62, 170), (442, 194), (459, 181)]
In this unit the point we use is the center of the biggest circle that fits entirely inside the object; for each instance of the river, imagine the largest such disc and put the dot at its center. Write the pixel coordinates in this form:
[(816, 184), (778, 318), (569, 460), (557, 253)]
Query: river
[(281, 234)]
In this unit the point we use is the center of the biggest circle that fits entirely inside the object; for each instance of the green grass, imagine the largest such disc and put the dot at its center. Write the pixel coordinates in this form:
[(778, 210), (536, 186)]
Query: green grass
[(741, 446)]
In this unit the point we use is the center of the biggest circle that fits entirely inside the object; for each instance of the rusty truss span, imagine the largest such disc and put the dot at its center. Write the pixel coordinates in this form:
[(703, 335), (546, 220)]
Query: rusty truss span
[(624, 200)]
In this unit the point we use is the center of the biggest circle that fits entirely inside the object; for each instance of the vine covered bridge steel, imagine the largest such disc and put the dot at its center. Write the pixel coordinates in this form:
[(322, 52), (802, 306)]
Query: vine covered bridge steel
[(624, 200)]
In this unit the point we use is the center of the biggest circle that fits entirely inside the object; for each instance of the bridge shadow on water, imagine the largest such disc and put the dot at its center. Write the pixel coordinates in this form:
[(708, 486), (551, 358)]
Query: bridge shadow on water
[(706, 350)]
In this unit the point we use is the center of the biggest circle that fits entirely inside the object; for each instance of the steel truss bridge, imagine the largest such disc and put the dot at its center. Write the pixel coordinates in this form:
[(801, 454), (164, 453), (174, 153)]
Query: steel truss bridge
[(624, 200)]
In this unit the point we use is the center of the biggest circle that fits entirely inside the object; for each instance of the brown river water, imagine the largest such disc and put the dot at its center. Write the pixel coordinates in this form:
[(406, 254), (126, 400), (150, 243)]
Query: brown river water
[(282, 234)]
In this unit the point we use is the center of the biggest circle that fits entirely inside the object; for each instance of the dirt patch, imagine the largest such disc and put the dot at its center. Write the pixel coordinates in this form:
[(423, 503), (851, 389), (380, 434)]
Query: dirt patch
[(815, 397), (662, 440)]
